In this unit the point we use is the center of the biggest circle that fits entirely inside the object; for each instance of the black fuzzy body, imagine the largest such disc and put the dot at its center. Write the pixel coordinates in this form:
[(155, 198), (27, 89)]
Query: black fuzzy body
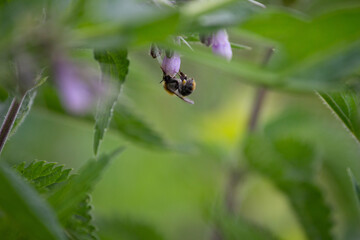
[(187, 87)]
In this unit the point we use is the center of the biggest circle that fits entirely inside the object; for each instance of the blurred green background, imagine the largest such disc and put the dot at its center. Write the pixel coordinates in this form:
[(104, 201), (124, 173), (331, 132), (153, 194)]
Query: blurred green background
[(151, 192), (174, 191)]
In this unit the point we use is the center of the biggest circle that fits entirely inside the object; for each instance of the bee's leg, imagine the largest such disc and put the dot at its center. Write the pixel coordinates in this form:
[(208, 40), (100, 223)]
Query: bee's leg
[(182, 75), (184, 98)]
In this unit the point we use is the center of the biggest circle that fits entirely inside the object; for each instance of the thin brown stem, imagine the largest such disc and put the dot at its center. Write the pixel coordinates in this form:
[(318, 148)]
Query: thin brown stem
[(9, 121), (234, 178), (255, 111), (267, 57), (259, 96), (236, 174)]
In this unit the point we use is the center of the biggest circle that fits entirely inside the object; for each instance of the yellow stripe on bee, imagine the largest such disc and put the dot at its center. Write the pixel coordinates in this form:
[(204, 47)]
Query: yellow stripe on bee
[(184, 82), (194, 85), (167, 90)]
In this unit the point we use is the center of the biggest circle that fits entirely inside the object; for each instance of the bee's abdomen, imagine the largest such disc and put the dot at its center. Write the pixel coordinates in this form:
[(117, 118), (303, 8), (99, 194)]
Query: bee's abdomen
[(187, 87)]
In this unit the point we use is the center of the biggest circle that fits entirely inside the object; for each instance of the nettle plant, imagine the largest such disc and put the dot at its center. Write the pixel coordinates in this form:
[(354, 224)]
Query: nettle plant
[(302, 51)]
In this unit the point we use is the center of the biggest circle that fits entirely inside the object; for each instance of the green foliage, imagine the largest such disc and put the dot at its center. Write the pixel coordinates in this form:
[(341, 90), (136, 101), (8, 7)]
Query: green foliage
[(250, 73), (328, 49), (338, 152), (209, 15), (25, 209), (67, 197), (80, 225), (345, 105), (45, 177), (316, 35), (3, 94), (356, 186), (124, 23), (195, 38), (26, 104), (135, 129), (114, 65), (313, 52), (289, 164)]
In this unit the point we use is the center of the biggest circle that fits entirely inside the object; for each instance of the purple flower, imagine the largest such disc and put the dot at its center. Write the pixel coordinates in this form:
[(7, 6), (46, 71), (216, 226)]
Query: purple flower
[(171, 65), (221, 45), (78, 89)]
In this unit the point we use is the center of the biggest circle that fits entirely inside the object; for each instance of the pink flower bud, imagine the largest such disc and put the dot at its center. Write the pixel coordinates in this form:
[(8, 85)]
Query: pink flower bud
[(155, 51), (221, 45), (171, 66), (78, 90)]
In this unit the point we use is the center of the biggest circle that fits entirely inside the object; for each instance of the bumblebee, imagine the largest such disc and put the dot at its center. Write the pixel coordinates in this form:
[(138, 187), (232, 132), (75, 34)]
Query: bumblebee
[(180, 87)]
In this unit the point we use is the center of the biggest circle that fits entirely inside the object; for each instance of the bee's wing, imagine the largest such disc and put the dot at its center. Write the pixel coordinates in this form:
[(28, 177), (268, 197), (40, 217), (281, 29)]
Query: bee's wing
[(184, 98)]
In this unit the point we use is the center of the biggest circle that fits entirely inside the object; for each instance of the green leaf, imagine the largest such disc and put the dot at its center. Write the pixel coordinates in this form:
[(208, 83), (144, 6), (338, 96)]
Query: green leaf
[(326, 71), (201, 8), (80, 226), (44, 176), (114, 65), (212, 15), (333, 143), (127, 228), (289, 164), (116, 24), (26, 105), (310, 53), (302, 38), (195, 39), (135, 129), (249, 73), (356, 186), (67, 197), (345, 105), (26, 208), (240, 46), (3, 94)]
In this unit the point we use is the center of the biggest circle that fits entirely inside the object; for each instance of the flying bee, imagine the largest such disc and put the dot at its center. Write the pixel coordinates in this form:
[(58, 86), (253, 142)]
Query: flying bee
[(180, 87)]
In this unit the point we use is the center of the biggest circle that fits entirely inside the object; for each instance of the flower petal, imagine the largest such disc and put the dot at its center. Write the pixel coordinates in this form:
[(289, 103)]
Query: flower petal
[(221, 45)]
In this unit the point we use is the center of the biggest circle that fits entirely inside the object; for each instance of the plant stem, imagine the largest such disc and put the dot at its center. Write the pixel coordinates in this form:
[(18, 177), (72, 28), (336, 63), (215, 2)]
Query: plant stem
[(259, 96), (236, 173), (9, 121), (255, 111)]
